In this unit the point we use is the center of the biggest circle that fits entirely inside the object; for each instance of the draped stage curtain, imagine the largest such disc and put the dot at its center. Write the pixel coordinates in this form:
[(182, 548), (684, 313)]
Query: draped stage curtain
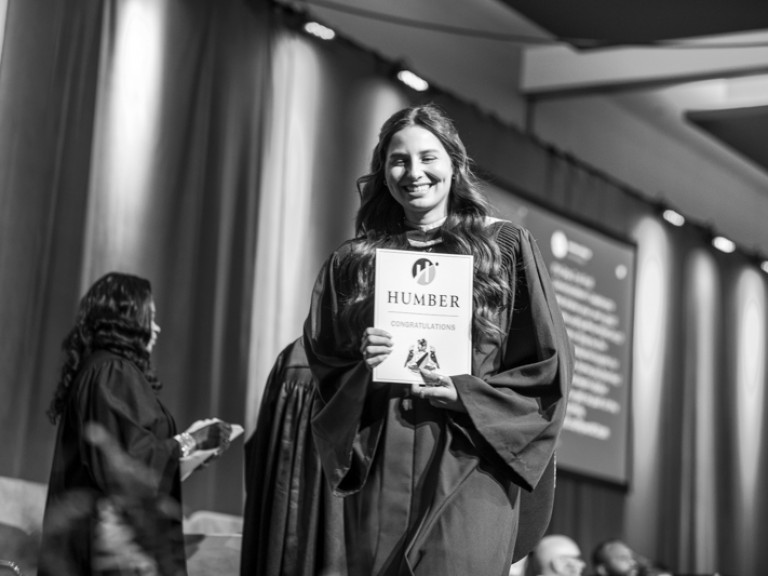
[(131, 137), (213, 148), (325, 110)]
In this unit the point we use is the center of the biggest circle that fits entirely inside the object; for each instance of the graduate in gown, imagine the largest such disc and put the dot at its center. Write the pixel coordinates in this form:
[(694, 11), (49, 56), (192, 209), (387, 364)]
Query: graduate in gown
[(432, 474), (292, 524), (114, 495)]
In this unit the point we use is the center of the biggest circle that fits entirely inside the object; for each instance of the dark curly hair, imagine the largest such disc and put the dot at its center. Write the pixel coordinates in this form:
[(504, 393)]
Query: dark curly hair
[(116, 315), (381, 224)]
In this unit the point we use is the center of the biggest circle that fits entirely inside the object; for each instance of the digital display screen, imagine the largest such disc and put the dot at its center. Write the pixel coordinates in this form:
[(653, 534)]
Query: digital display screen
[(593, 277)]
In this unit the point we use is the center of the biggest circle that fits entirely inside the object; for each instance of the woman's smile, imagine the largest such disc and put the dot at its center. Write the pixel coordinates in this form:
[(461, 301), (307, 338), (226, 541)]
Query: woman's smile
[(419, 174)]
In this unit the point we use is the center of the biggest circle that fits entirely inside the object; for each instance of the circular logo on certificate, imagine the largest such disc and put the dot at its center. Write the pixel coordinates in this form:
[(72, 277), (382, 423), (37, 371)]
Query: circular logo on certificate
[(424, 271)]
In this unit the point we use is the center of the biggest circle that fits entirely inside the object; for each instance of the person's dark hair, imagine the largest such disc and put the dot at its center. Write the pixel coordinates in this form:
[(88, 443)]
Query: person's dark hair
[(116, 315), (600, 553), (381, 223)]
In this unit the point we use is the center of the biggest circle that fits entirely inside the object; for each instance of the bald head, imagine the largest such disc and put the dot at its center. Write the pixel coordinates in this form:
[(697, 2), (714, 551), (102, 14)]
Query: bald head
[(614, 558), (555, 555)]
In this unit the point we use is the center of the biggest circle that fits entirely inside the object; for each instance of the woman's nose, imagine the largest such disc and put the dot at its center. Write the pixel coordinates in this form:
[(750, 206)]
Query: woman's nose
[(414, 170)]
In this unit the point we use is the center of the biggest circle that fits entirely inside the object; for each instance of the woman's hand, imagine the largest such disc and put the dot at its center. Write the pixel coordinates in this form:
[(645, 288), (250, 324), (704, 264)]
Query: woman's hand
[(439, 390), (376, 345)]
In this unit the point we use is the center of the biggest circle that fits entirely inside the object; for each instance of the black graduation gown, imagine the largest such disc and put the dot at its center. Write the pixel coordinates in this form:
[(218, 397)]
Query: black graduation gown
[(432, 491), (113, 392), (292, 524)]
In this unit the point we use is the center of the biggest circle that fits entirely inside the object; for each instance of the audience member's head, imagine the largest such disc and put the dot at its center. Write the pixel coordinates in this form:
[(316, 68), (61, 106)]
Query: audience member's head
[(555, 555), (614, 558)]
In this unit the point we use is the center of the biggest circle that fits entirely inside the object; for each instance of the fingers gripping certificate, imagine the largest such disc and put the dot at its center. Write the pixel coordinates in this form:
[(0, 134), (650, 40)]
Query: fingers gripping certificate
[(424, 300)]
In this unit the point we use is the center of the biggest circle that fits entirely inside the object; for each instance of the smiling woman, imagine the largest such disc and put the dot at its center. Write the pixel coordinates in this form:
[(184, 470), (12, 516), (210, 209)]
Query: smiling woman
[(431, 473), (419, 175)]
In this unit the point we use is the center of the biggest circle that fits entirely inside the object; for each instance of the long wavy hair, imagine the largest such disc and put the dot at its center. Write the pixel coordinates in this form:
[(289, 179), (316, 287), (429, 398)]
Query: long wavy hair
[(381, 223), (116, 315)]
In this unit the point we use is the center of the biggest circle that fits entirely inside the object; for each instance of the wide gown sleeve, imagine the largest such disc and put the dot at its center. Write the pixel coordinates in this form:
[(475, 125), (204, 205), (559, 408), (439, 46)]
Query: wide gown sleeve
[(347, 426), (519, 408), (116, 395)]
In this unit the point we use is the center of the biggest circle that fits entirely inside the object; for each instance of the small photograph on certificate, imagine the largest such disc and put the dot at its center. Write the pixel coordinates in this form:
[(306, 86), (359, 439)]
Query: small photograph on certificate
[(424, 300)]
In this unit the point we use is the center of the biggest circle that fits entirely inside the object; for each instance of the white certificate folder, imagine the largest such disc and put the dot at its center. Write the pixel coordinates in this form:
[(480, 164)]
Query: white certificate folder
[(424, 300)]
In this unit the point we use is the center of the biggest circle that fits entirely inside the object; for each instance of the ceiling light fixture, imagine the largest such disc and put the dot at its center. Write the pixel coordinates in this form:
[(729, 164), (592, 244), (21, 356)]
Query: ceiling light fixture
[(674, 218), (764, 266), (723, 244), (319, 31), (412, 80)]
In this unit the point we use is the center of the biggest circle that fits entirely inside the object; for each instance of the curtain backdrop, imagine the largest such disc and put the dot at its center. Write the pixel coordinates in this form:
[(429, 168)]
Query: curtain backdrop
[(318, 146), (3, 13), (173, 196), (213, 148), (47, 94), (131, 137)]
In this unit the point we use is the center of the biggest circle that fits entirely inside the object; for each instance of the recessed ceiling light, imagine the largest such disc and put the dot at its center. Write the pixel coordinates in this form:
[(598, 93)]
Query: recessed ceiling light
[(412, 80), (723, 244), (674, 218), (320, 31)]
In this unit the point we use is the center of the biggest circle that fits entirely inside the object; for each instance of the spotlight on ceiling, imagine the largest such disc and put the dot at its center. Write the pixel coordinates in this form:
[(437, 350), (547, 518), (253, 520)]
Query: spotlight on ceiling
[(674, 218), (764, 266), (412, 80), (723, 244), (320, 31)]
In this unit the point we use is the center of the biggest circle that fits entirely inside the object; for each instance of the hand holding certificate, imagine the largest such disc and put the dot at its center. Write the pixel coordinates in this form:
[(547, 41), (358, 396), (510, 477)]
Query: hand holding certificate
[(203, 454), (424, 301)]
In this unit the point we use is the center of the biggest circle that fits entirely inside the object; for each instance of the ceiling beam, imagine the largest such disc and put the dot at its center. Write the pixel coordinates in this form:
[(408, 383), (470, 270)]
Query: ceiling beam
[(556, 69)]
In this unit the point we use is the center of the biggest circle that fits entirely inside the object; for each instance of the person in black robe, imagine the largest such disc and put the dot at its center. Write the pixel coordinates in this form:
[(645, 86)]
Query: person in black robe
[(114, 493), (433, 474), (292, 524)]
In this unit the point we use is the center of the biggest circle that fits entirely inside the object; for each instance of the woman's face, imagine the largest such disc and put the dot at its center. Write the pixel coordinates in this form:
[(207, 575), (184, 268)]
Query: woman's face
[(419, 173), (155, 328)]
